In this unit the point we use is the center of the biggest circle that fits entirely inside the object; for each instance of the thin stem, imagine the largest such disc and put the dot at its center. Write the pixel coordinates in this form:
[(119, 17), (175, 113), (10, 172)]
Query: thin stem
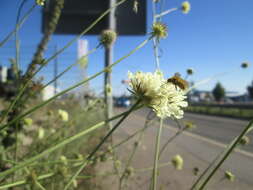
[(170, 140), (152, 168), (68, 68), (74, 86), (101, 143), (165, 13), (155, 40), (227, 152), (23, 19), (22, 182), (16, 35), (147, 122), (39, 185), (154, 184), (58, 145), (56, 54)]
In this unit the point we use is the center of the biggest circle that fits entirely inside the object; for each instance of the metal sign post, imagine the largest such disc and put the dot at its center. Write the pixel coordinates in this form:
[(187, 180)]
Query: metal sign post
[(108, 62)]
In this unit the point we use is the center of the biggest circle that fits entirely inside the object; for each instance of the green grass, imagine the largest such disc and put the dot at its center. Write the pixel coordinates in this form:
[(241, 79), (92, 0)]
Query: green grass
[(221, 111), (79, 119)]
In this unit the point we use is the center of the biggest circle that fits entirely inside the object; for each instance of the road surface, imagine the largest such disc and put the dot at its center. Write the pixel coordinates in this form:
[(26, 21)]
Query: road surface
[(198, 148), (219, 129)]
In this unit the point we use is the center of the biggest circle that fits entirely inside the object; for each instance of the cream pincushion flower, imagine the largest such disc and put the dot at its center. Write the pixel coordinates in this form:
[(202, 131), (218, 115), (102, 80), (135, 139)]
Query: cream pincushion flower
[(146, 85), (166, 99)]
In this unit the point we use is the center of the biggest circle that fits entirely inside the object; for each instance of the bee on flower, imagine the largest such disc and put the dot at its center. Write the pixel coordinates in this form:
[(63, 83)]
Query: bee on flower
[(154, 91)]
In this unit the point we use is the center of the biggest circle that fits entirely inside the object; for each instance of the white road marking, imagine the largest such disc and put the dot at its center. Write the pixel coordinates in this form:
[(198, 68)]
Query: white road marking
[(210, 141)]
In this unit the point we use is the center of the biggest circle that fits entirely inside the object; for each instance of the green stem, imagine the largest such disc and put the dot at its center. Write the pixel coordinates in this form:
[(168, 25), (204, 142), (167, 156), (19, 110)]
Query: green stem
[(170, 140), (101, 143), (154, 184), (68, 68), (74, 86), (147, 122), (55, 55), (227, 152), (165, 13), (23, 19), (59, 145), (39, 185), (152, 168), (22, 182)]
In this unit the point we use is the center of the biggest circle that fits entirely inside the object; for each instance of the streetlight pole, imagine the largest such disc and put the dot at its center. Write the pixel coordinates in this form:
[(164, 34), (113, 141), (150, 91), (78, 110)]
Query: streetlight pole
[(108, 62)]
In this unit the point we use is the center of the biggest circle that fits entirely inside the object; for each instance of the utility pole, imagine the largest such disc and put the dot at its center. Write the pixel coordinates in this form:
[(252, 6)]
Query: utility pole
[(55, 71), (108, 62)]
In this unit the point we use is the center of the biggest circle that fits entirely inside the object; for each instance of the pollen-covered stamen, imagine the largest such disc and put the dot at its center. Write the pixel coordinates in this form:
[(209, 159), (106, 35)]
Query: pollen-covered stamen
[(159, 30)]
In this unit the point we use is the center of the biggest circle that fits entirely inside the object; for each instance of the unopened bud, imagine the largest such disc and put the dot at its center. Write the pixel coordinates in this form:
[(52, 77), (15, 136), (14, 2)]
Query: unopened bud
[(178, 162), (186, 7)]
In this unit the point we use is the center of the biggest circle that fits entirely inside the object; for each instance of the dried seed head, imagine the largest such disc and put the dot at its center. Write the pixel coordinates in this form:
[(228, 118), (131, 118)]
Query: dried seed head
[(186, 7), (108, 37), (159, 30)]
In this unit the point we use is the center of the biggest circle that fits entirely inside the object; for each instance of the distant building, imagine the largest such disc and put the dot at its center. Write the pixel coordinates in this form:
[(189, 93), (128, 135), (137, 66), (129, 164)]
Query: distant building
[(48, 92), (3, 74), (197, 96)]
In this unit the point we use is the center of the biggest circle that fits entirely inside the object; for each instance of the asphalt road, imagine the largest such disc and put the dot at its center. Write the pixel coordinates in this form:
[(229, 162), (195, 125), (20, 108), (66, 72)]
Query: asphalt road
[(220, 129), (198, 148)]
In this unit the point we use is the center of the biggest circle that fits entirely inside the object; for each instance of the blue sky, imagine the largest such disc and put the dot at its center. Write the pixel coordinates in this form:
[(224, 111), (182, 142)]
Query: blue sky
[(215, 36)]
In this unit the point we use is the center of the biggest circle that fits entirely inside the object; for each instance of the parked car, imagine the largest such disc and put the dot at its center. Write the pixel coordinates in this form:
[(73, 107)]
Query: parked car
[(122, 102)]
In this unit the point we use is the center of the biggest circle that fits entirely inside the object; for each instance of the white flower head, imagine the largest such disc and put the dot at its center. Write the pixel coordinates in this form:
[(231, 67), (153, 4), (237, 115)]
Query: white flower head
[(166, 99)]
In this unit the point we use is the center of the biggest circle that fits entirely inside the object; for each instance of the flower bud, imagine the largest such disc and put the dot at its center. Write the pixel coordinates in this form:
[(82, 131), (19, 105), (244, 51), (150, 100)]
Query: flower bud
[(186, 7), (28, 121), (41, 133), (189, 125), (129, 171), (178, 162), (64, 159), (229, 176), (63, 115)]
